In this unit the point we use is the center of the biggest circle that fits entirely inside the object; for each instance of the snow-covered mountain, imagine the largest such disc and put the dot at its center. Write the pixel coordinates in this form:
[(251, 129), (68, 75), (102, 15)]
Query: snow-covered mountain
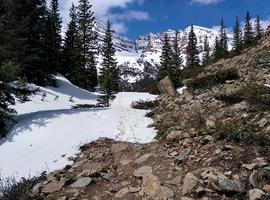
[(140, 59)]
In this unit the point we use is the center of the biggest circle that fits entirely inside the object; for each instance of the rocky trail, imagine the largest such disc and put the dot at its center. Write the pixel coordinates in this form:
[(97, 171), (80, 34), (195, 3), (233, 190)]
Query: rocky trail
[(213, 142)]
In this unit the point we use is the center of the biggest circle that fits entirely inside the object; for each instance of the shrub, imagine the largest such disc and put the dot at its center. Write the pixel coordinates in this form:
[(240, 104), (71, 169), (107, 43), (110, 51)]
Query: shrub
[(257, 95), (211, 79), (12, 190), (248, 134), (231, 98), (145, 105)]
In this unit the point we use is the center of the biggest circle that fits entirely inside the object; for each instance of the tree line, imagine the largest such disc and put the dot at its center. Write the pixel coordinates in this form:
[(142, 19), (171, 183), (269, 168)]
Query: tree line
[(172, 61), (33, 50)]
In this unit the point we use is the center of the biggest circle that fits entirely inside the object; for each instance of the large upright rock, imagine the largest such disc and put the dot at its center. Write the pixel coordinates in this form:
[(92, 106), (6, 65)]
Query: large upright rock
[(166, 87)]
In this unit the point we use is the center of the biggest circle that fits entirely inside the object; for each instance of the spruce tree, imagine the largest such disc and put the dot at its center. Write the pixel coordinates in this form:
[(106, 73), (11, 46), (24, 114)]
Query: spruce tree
[(216, 52), (223, 40), (237, 37), (54, 26), (88, 39), (206, 51), (31, 39), (108, 78), (71, 57), (192, 50), (165, 59), (248, 31), (258, 28), (177, 61)]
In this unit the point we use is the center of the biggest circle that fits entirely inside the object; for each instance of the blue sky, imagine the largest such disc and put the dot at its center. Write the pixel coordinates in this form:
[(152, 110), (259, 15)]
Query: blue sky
[(136, 17)]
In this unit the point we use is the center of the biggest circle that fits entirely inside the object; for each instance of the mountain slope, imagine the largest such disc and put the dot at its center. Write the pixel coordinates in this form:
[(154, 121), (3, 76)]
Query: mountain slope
[(140, 59)]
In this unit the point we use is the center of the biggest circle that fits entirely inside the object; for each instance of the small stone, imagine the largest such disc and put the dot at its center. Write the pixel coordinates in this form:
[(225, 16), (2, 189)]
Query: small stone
[(142, 171), (266, 188), (173, 136), (182, 155), (82, 182), (186, 198), (176, 181), (228, 147), (217, 151), (262, 123), (210, 123), (143, 158), (125, 162), (228, 173), (62, 198), (190, 182), (255, 194), (134, 189), (121, 193), (53, 187), (249, 166), (207, 139)]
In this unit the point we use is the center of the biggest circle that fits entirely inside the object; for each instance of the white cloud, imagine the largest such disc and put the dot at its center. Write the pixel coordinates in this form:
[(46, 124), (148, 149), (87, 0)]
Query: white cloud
[(102, 9), (119, 27), (131, 15), (206, 2)]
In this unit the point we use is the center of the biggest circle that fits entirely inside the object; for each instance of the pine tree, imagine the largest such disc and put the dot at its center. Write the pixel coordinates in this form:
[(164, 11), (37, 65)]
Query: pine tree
[(31, 41), (192, 50), (165, 59), (177, 62), (223, 40), (258, 28), (206, 51), (248, 32), (108, 78), (237, 37), (216, 52), (71, 57), (54, 26), (88, 38)]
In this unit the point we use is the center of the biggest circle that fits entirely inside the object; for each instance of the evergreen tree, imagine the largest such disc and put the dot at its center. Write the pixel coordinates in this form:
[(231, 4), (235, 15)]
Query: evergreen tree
[(248, 32), (223, 40), (165, 59), (192, 50), (258, 28), (31, 41), (216, 52), (177, 61), (206, 51), (108, 78), (71, 57), (54, 28), (88, 38), (237, 37)]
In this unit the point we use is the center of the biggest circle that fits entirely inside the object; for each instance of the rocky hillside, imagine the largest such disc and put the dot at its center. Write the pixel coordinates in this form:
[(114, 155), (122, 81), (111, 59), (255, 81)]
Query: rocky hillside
[(213, 143), (139, 59)]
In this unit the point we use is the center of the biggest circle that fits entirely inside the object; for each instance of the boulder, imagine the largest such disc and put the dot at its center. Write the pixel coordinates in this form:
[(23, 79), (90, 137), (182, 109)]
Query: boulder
[(53, 187), (190, 182), (82, 182), (227, 185), (166, 87), (143, 159)]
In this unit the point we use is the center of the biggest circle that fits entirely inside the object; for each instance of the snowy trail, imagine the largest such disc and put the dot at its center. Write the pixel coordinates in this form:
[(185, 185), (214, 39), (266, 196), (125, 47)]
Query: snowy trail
[(49, 132)]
